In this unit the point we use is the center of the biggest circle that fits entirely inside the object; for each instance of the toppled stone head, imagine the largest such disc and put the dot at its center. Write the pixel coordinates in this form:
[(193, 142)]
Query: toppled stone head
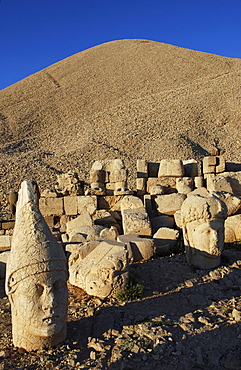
[(36, 278), (203, 230)]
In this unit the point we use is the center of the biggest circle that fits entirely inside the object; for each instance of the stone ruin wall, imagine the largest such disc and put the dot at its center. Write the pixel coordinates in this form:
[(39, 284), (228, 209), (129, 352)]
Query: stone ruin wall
[(161, 187)]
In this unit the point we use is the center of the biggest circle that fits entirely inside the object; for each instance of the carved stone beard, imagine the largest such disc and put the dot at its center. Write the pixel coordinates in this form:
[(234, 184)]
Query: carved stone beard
[(39, 310)]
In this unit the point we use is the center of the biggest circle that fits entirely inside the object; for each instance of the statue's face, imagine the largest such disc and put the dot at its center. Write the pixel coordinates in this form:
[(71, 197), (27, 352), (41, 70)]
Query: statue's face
[(206, 236), (40, 303)]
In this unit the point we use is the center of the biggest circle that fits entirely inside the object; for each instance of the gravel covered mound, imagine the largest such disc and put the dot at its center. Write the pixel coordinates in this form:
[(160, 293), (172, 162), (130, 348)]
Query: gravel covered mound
[(124, 99)]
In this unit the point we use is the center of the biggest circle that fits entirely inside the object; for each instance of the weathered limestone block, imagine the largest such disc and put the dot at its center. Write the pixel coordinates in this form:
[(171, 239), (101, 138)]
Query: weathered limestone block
[(232, 201), (142, 168), (49, 193), (112, 203), (213, 165), (71, 205), (157, 190), (97, 176), (118, 175), (178, 219), (123, 191), (51, 206), (203, 230), (3, 262), (171, 167), (85, 233), (5, 242), (110, 188), (235, 181), (161, 221), (184, 185), (131, 202), (232, 229), (78, 251), (136, 221), (141, 185), (103, 272), (49, 221), (87, 203), (165, 240), (36, 278), (7, 225), (69, 184), (168, 184), (209, 165), (104, 218), (218, 183), (198, 181), (109, 233), (82, 220), (190, 168), (138, 248), (170, 203)]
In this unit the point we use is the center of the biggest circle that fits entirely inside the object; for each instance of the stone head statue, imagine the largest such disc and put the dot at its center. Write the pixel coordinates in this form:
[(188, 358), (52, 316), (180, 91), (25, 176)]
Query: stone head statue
[(203, 230), (36, 278)]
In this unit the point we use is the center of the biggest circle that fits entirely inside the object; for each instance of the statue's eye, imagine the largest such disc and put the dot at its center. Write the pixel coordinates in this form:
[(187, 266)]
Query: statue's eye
[(39, 289)]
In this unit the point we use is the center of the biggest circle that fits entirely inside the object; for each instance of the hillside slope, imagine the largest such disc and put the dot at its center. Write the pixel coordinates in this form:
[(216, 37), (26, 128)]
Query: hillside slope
[(124, 99)]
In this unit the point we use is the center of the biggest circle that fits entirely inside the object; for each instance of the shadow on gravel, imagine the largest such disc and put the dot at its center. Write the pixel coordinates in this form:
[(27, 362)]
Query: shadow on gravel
[(178, 291)]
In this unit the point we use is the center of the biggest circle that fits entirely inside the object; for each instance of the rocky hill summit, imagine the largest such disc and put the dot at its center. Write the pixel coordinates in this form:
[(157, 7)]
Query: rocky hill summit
[(123, 99)]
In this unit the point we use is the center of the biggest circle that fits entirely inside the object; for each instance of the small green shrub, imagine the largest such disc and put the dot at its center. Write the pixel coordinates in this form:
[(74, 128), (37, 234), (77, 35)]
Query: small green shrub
[(132, 292)]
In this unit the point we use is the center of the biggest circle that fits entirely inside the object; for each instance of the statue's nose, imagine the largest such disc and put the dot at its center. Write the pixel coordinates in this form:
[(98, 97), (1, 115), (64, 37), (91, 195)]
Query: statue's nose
[(48, 299)]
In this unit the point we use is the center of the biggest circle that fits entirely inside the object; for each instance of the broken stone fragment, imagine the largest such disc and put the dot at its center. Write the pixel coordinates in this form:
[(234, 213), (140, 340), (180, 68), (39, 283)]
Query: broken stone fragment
[(109, 233), (184, 185), (82, 220), (157, 190), (90, 232), (136, 221), (36, 278), (168, 184), (161, 221), (232, 229), (232, 201), (170, 203), (165, 240), (103, 272), (138, 248), (131, 202), (51, 206), (69, 184), (172, 167)]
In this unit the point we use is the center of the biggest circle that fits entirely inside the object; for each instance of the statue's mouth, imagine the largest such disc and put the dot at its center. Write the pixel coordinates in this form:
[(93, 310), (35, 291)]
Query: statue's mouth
[(50, 320)]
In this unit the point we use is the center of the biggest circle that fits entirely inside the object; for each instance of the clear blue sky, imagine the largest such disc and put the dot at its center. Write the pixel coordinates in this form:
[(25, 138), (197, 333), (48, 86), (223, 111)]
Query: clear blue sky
[(37, 33)]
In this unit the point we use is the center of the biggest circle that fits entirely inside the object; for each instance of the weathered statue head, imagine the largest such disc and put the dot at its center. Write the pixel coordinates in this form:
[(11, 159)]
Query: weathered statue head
[(36, 278), (203, 230)]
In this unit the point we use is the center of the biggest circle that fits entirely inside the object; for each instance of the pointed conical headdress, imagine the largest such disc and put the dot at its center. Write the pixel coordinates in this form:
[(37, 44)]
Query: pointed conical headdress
[(34, 249)]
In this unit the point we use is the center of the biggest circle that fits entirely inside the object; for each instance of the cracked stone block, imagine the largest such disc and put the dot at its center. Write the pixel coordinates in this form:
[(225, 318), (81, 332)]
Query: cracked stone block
[(171, 167), (136, 221)]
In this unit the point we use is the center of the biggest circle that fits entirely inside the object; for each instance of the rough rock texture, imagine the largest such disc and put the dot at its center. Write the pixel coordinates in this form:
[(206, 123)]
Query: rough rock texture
[(102, 102), (203, 230), (103, 271), (136, 221), (138, 248), (36, 278)]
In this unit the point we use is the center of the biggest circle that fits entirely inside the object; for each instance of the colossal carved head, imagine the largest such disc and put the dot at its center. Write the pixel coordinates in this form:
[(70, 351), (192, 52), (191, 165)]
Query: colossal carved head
[(203, 230), (36, 278)]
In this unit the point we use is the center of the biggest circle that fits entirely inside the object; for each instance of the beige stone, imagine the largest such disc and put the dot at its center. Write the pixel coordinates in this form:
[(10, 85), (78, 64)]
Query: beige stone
[(3, 262), (85, 233), (209, 165), (5, 242), (110, 188), (190, 168), (138, 248), (184, 185), (123, 191), (198, 181), (103, 272), (220, 164), (87, 204), (136, 221), (170, 203), (157, 190), (178, 219), (203, 230), (232, 201), (82, 220), (141, 185), (49, 221), (109, 233), (142, 168), (71, 205), (97, 176), (69, 184), (112, 203), (131, 202), (36, 278), (168, 184), (165, 240), (78, 251), (232, 229), (119, 186), (49, 193), (218, 183), (51, 206), (161, 221), (118, 175), (105, 218), (171, 167)]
